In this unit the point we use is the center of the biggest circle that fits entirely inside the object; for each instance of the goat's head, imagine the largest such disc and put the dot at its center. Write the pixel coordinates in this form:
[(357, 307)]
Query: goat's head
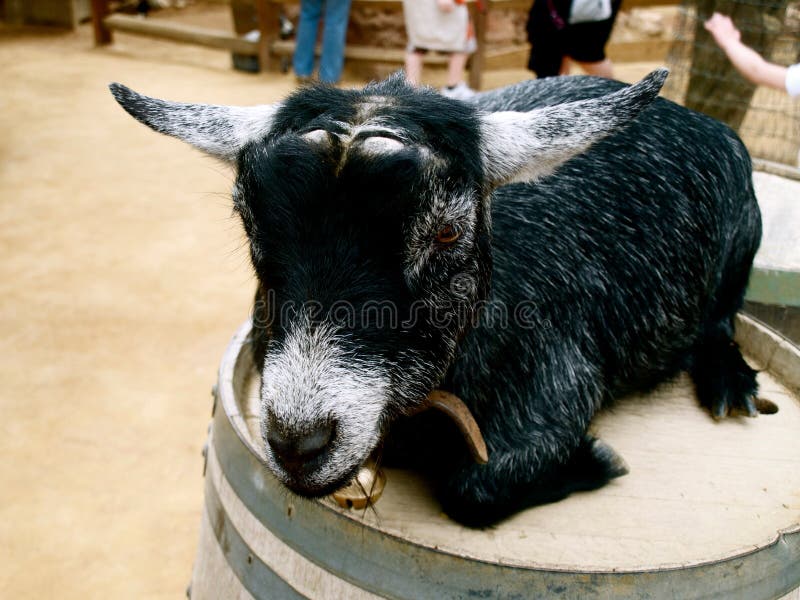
[(369, 225)]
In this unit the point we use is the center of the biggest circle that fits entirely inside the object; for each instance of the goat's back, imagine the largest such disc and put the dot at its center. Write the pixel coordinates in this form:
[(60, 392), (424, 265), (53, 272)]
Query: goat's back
[(626, 251)]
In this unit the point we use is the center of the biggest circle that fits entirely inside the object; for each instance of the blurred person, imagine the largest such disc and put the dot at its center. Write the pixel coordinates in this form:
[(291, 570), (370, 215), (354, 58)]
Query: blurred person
[(334, 34), (750, 63), (443, 26), (565, 31)]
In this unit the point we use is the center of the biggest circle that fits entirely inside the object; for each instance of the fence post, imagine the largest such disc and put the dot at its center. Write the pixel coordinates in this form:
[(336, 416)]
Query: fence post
[(479, 11), (269, 29), (102, 34)]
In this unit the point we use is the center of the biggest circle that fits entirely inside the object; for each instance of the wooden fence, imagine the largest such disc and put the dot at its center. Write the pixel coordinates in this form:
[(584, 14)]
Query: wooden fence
[(270, 48)]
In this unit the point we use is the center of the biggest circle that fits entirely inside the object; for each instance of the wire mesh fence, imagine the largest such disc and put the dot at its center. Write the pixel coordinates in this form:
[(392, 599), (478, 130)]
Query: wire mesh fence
[(703, 79)]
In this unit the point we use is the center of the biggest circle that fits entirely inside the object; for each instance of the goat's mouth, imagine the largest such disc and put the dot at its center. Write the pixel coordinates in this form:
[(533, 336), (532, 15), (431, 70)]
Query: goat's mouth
[(319, 476), (312, 489)]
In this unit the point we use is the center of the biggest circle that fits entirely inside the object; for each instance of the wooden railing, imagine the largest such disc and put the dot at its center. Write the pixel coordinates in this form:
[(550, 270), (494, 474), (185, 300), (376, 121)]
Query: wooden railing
[(270, 48)]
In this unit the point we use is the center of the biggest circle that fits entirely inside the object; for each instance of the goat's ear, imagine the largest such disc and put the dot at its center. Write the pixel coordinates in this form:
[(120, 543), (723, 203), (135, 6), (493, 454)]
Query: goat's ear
[(523, 146), (220, 131)]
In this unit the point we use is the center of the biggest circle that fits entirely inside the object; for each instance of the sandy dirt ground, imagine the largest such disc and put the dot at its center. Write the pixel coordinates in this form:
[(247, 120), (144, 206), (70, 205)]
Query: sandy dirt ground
[(122, 276)]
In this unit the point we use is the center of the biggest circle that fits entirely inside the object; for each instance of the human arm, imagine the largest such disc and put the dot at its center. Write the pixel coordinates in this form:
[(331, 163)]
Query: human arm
[(746, 60)]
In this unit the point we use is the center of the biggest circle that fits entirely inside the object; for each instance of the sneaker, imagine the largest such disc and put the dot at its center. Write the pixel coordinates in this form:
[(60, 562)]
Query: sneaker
[(460, 91)]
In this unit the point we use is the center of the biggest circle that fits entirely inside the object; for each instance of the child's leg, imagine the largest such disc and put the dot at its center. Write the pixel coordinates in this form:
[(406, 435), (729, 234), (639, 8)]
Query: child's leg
[(414, 67), (455, 68), (602, 68)]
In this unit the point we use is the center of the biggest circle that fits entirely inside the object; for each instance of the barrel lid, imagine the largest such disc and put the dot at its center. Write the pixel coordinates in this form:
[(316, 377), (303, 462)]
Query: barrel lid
[(699, 492)]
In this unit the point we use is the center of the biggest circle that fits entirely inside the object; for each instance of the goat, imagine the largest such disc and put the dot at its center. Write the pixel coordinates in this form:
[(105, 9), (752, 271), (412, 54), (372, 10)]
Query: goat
[(424, 242)]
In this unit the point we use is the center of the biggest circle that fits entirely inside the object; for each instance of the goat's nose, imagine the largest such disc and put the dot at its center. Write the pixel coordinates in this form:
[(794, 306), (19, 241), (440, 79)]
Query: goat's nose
[(292, 447)]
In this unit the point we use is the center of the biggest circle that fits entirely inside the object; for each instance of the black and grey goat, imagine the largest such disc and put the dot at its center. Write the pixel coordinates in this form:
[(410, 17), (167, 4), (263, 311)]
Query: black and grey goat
[(538, 252)]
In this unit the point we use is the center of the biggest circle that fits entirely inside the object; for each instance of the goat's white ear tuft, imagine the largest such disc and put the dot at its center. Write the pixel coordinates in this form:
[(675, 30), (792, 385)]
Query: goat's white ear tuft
[(523, 146), (220, 131)]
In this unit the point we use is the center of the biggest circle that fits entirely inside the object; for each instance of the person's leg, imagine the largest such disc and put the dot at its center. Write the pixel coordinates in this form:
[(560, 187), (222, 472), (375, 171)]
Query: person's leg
[(547, 52), (456, 87), (586, 44), (307, 26), (603, 68), (334, 35), (455, 68), (414, 66)]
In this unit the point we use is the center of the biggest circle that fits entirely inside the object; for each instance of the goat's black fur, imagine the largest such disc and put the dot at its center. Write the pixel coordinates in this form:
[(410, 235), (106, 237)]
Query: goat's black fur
[(635, 256)]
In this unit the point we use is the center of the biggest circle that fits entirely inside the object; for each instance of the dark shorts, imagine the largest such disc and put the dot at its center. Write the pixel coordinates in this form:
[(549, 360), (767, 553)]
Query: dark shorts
[(583, 42)]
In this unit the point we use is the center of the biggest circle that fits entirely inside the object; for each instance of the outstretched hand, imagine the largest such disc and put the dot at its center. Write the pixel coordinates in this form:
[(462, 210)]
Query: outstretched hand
[(723, 29), (747, 61)]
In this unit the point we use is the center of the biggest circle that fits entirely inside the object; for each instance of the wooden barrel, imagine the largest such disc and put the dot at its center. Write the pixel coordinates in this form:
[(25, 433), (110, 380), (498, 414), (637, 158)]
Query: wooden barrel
[(709, 510)]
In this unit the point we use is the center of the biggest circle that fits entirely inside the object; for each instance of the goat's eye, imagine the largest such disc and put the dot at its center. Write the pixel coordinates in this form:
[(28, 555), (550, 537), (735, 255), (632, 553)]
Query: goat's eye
[(447, 235)]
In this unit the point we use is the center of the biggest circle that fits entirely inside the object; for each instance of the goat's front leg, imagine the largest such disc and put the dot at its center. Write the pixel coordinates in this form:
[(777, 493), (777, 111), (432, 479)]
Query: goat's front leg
[(512, 480)]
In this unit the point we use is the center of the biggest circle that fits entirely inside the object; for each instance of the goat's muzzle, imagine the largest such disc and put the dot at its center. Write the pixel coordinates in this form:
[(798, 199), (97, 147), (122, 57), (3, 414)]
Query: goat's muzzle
[(300, 450)]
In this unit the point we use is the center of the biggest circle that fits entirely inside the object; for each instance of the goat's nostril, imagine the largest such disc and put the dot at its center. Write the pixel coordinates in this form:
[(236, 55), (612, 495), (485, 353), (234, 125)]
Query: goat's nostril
[(278, 436), (295, 447), (314, 442), (281, 445)]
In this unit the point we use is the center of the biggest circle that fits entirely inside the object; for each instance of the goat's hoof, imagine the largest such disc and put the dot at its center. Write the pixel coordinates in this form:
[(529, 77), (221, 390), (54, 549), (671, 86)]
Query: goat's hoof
[(613, 464), (729, 406)]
